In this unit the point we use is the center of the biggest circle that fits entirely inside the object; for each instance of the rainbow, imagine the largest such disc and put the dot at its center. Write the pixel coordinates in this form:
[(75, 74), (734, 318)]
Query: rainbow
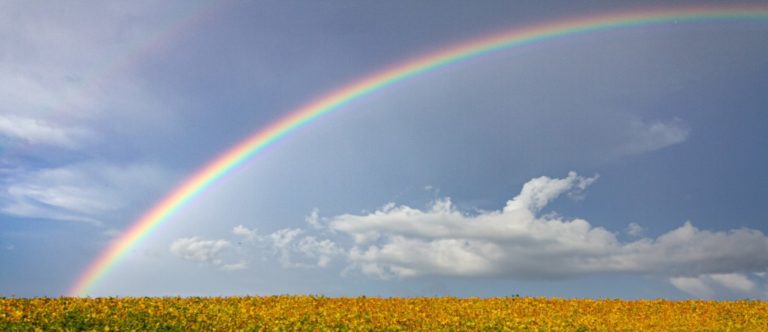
[(237, 155)]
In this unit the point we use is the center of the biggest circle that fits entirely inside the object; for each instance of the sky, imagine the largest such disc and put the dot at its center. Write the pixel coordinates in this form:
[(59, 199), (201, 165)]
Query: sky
[(624, 163)]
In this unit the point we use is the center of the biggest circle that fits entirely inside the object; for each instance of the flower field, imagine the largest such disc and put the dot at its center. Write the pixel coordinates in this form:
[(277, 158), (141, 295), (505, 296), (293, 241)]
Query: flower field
[(393, 314)]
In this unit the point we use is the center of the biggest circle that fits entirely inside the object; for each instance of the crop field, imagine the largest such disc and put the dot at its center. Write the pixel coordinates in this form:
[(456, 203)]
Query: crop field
[(317, 313)]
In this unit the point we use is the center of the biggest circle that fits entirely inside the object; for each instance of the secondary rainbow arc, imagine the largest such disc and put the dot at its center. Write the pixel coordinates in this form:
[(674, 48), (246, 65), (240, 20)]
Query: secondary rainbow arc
[(247, 148)]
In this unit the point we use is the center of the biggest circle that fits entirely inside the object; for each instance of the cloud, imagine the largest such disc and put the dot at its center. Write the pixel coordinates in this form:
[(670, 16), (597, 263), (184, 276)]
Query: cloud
[(242, 231), (313, 219), (734, 281), (537, 193), (218, 253), (634, 229), (295, 249), (59, 66), (36, 131), (693, 286), (292, 246), (198, 250), (321, 250), (518, 241), (515, 242), (709, 285), (67, 82), (647, 137), (235, 266), (89, 192), (73, 77)]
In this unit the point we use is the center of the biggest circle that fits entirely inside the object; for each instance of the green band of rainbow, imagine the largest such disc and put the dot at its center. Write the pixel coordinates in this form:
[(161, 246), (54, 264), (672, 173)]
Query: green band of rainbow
[(244, 150)]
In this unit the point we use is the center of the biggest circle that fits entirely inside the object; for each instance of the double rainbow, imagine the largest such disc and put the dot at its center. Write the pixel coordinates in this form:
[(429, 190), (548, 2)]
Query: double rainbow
[(337, 99)]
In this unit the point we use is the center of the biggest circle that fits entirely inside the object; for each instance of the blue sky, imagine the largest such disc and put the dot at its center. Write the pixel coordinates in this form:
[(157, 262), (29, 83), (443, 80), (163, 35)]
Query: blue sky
[(625, 163)]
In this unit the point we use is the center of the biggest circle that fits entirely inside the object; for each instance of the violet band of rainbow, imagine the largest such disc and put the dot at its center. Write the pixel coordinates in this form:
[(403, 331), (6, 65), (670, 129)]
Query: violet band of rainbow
[(235, 156)]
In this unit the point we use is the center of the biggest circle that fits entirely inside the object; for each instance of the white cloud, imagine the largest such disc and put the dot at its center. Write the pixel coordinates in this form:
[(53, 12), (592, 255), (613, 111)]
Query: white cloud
[(634, 229), (89, 192), (217, 253), (694, 286), (65, 83), (283, 238), (67, 78), (36, 131), (517, 242), (235, 266), (400, 241), (198, 250), (711, 285), (292, 246), (59, 65), (313, 219), (71, 197), (248, 234), (295, 249), (734, 281), (31, 210), (538, 192), (646, 137), (321, 250), (688, 250)]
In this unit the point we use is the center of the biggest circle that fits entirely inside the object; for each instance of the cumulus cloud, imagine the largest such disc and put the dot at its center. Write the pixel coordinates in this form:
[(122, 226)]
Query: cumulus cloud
[(247, 234), (516, 242), (199, 250), (292, 246), (519, 241), (219, 253), (320, 250), (313, 219)]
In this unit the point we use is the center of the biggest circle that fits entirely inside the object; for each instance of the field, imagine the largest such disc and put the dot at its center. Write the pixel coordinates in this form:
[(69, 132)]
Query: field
[(392, 314)]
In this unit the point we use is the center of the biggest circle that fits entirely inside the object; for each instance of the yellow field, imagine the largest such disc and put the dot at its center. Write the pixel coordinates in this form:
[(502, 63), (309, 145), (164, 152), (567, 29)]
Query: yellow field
[(322, 313)]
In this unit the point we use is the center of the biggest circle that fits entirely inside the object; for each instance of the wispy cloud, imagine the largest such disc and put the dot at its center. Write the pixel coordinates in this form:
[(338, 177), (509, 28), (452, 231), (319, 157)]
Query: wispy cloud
[(241, 265), (87, 192), (62, 92), (634, 229), (35, 131), (709, 285), (693, 286), (650, 136)]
